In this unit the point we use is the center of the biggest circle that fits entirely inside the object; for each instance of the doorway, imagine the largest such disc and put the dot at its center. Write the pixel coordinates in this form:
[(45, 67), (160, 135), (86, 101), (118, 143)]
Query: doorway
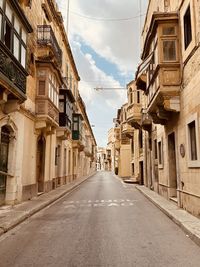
[(4, 150), (141, 173), (172, 165), (41, 144)]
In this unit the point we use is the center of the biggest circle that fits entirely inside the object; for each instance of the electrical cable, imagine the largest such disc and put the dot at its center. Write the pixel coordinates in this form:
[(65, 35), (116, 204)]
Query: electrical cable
[(105, 19)]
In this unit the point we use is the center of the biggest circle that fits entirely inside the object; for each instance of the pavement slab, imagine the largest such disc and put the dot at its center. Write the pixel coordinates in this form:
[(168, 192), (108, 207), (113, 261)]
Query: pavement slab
[(189, 223)]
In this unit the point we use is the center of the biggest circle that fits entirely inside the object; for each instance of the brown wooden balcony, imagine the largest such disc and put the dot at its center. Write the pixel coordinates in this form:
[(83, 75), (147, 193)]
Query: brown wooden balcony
[(134, 115), (146, 120), (49, 48), (47, 113), (127, 130), (164, 92), (159, 75)]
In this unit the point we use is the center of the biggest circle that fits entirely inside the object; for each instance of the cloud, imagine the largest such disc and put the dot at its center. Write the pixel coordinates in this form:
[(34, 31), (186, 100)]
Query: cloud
[(90, 73), (116, 42)]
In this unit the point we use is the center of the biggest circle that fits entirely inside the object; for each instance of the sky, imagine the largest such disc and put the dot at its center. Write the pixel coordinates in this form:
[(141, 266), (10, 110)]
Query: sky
[(104, 36)]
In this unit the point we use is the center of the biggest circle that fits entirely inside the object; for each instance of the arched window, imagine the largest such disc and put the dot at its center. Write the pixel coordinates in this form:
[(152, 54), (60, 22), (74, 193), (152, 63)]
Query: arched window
[(130, 96)]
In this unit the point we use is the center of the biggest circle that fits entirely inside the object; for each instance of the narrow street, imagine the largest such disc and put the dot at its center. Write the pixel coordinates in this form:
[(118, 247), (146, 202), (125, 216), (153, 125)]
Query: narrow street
[(102, 223)]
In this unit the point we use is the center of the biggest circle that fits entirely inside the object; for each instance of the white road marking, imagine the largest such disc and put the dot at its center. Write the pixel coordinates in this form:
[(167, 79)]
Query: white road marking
[(99, 203), (113, 204), (70, 206)]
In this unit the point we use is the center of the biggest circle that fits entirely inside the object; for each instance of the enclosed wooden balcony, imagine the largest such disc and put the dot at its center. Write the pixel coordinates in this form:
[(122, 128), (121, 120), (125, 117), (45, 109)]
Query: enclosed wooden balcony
[(146, 120), (47, 113), (79, 141), (159, 75), (48, 47), (127, 130), (134, 115)]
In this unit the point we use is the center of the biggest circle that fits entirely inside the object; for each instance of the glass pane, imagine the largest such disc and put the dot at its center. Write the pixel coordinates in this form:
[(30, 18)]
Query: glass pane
[(170, 30), (8, 12), (23, 56), (169, 50), (49, 91), (17, 25), (193, 144), (16, 47), (0, 25), (24, 35), (61, 106)]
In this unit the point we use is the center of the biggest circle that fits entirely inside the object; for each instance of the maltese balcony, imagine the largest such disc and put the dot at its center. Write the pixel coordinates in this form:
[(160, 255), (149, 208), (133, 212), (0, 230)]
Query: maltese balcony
[(146, 120), (117, 144), (159, 75), (47, 113), (48, 47), (134, 115), (127, 130), (79, 141)]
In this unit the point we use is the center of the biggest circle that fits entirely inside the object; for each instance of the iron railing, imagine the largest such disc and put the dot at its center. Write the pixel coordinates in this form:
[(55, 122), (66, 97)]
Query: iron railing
[(45, 37)]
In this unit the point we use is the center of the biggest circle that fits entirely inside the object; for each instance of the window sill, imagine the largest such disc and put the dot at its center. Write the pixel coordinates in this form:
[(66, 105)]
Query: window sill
[(194, 164)]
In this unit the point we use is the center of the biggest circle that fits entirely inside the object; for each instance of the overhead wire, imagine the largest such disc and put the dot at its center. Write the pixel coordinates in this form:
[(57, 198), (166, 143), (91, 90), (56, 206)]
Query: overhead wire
[(105, 19)]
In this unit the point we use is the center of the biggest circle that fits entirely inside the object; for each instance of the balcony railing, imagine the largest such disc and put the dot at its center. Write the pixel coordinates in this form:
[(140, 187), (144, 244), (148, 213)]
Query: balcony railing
[(45, 108), (64, 121), (46, 37), (134, 115), (127, 130), (13, 71)]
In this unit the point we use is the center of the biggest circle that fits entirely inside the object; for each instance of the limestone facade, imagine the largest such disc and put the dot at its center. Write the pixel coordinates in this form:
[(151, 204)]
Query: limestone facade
[(164, 104), (46, 138)]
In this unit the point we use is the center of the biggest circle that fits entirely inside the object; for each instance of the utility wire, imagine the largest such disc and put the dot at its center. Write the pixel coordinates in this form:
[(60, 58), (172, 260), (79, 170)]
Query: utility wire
[(106, 19)]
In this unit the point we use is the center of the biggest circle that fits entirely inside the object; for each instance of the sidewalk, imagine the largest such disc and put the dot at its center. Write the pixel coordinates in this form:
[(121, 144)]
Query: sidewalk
[(11, 216), (189, 223)]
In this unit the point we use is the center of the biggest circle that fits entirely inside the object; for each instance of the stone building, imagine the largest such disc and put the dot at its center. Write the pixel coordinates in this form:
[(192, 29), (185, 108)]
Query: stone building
[(169, 77), (41, 121)]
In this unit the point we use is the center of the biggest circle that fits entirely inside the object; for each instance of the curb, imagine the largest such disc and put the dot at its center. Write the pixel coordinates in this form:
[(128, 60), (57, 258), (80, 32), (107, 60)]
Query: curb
[(187, 226), (27, 214)]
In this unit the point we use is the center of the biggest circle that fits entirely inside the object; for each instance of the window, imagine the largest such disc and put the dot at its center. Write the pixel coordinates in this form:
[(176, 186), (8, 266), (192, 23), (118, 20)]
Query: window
[(169, 30), (140, 139), (0, 25), (132, 146), (16, 47), (12, 33), (187, 28), (160, 154), (138, 97), (169, 50), (7, 35), (65, 161), (192, 140), (155, 149), (133, 168), (56, 156)]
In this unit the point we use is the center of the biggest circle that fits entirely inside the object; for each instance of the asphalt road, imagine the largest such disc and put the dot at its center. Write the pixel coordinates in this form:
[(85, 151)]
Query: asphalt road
[(103, 223)]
